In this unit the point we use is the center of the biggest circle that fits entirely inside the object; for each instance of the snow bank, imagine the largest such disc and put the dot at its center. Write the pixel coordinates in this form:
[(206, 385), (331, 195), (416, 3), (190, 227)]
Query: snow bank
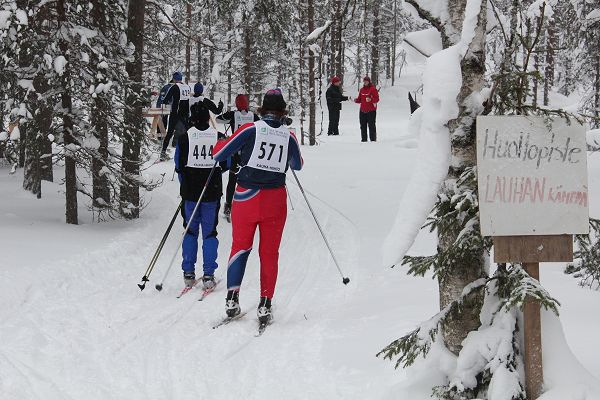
[(437, 8), (535, 9), (593, 137), (168, 9), (594, 14), (21, 17), (564, 377), (441, 84), (59, 64), (427, 41), (442, 81), (4, 17), (314, 35)]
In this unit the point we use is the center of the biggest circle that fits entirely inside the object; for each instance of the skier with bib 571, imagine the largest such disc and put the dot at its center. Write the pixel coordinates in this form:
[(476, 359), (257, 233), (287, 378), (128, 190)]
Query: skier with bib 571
[(267, 148), (193, 163)]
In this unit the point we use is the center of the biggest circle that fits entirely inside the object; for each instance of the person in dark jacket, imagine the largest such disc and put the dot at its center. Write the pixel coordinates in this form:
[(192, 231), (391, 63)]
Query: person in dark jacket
[(193, 164), (334, 98), (160, 102), (242, 115), (368, 97), (179, 98), (208, 103)]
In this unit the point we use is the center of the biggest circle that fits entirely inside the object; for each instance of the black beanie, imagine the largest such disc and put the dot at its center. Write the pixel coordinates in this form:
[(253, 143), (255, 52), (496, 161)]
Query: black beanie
[(273, 101)]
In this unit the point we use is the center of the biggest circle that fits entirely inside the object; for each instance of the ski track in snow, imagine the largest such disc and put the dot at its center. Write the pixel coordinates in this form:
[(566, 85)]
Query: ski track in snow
[(75, 326)]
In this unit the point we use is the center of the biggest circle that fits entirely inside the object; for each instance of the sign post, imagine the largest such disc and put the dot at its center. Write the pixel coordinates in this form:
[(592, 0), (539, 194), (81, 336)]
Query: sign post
[(532, 178)]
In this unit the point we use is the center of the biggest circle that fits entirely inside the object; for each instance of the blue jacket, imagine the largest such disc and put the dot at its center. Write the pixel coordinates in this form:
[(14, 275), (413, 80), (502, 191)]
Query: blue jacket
[(162, 95)]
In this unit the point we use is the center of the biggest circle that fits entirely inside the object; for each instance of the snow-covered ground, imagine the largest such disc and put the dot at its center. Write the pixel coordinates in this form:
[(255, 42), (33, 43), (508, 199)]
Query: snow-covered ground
[(74, 325)]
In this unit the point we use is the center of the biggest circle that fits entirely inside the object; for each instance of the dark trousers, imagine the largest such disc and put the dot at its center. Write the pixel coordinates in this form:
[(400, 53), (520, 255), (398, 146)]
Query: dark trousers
[(231, 183), (334, 121), (368, 118), (230, 187), (176, 123)]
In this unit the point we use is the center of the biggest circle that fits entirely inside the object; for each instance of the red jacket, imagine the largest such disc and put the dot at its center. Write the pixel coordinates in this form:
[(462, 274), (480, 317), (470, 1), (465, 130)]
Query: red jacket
[(365, 93)]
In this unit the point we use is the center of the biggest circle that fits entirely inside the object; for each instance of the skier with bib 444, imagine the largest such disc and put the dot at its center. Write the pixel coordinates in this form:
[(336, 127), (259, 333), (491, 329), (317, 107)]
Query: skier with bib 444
[(194, 163), (267, 149)]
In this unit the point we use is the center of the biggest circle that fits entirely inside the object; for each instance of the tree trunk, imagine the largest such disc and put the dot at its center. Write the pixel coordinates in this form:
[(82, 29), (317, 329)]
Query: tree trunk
[(312, 111), (188, 43), (536, 66), (336, 40), (67, 119), (248, 60), (394, 42), (597, 94), (301, 82), (199, 51), (134, 121), (375, 44), (458, 274), (32, 141), (549, 73), (229, 47), (211, 59), (99, 119), (43, 126)]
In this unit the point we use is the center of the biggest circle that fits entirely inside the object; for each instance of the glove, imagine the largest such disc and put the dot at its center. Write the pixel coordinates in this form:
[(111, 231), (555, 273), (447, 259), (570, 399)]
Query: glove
[(220, 106)]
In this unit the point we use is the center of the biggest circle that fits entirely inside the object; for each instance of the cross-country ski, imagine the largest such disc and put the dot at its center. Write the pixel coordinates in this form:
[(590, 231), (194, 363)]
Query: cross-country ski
[(227, 320)]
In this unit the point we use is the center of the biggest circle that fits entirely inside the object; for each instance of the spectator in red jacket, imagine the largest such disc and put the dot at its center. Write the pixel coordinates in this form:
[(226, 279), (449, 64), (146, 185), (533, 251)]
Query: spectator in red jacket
[(368, 97)]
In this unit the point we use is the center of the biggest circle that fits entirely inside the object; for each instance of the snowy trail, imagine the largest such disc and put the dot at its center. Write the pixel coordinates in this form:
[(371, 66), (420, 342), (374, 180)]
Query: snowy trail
[(74, 324), (83, 329)]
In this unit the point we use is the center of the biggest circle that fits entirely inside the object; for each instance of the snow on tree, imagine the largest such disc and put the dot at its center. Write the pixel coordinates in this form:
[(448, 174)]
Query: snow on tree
[(479, 318)]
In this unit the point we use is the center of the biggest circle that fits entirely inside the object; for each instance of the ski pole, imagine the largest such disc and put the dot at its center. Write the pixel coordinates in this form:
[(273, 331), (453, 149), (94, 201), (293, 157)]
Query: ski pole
[(146, 276), (289, 197), (159, 286), (345, 280)]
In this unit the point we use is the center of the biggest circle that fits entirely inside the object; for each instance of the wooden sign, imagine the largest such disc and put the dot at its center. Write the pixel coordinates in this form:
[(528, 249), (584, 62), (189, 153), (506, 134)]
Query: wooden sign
[(151, 112), (533, 248), (532, 176), (532, 179)]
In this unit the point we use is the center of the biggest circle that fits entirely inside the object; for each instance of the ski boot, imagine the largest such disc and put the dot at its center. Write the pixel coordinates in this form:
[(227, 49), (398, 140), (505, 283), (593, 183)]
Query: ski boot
[(264, 311), (208, 282), (227, 212), (189, 278), (232, 303), (164, 156)]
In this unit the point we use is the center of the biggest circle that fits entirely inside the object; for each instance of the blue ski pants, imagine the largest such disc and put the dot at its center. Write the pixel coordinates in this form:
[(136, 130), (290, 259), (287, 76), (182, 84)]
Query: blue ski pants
[(205, 220)]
